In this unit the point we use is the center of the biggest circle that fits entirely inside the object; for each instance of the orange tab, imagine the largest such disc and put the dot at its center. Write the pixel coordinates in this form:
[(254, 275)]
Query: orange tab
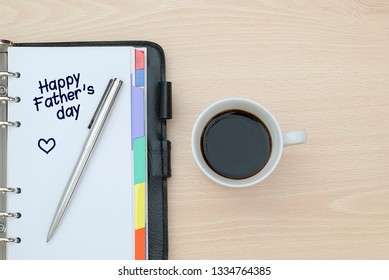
[(140, 244)]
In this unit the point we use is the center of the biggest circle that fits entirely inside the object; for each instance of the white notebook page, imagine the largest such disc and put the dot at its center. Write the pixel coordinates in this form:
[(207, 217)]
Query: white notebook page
[(98, 223)]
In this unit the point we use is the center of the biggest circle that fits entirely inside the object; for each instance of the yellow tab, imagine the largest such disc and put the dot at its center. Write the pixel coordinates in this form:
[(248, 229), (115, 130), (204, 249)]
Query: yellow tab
[(140, 204)]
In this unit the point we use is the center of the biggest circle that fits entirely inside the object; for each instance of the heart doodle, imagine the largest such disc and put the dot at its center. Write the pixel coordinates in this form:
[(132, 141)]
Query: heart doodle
[(46, 145)]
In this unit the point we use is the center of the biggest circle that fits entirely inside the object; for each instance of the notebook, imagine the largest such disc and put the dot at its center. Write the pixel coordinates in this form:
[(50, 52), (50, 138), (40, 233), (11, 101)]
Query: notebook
[(53, 92)]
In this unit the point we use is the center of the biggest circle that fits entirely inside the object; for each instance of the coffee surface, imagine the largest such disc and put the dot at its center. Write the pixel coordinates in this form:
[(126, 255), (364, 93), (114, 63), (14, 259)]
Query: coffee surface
[(236, 144)]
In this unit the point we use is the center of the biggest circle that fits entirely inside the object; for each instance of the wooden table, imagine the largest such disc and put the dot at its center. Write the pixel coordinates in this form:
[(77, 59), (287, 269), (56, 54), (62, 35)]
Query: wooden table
[(322, 66)]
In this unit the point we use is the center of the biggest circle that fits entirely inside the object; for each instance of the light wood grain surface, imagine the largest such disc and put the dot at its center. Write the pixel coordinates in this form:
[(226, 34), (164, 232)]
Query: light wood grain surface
[(322, 66)]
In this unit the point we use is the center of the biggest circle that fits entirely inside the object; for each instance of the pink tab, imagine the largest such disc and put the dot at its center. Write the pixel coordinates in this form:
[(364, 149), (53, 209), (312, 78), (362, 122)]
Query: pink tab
[(139, 60)]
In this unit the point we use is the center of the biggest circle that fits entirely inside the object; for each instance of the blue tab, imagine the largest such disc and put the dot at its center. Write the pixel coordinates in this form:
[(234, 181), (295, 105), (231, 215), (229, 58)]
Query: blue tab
[(140, 78)]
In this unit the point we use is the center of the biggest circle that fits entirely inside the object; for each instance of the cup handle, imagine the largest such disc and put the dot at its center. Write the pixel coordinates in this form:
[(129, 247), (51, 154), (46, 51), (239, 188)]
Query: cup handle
[(294, 137)]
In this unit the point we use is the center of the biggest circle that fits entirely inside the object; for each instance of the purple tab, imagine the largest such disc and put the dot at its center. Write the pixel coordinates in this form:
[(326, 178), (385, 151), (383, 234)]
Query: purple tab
[(137, 112)]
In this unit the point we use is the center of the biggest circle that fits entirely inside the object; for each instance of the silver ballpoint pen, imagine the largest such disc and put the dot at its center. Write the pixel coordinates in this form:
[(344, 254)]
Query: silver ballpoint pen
[(96, 126)]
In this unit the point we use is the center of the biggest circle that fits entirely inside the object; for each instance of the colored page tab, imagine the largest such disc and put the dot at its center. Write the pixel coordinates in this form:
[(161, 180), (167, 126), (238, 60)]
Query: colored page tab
[(140, 160), (138, 112), (139, 78), (139, 60), (140, 205), (140, 244)]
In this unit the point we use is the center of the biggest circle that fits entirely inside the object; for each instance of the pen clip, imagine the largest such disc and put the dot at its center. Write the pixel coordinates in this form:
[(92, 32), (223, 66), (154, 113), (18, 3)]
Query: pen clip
[(107, 90)]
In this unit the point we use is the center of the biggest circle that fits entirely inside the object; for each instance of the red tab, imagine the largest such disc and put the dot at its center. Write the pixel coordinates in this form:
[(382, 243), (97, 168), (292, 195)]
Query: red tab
[(139, 60)]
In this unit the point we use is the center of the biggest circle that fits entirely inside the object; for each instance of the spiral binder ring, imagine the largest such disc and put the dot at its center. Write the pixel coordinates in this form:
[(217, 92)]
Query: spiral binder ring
[(9, 123), (9, 239), (15, 190), (9, 99), (16, 215), (10, 74)]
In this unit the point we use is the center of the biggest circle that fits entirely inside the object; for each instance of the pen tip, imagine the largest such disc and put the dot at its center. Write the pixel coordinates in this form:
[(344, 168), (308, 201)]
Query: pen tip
[(49, 235)]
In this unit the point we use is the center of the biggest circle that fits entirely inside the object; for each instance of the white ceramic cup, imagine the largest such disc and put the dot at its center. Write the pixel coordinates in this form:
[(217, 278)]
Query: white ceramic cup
[(279, 139)]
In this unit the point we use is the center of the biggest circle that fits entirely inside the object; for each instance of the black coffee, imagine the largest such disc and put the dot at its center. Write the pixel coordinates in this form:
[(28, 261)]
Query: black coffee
[(236, 144)]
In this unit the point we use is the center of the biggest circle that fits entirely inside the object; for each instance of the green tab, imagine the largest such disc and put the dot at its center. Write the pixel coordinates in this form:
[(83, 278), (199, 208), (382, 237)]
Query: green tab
[(140, 160)]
